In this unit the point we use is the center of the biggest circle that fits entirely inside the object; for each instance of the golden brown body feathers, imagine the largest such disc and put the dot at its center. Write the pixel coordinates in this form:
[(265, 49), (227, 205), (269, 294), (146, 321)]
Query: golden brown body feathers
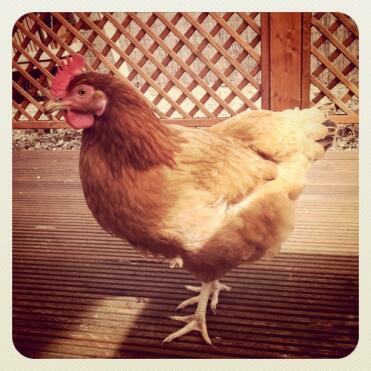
[(214, 197)]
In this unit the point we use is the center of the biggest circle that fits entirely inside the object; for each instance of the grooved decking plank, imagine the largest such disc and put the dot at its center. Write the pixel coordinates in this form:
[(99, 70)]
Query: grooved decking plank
[(81, 293)]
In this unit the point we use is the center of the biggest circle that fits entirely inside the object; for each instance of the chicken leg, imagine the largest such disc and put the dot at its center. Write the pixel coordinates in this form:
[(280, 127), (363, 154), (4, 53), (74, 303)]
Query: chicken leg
[(196, 321), (216, 288)]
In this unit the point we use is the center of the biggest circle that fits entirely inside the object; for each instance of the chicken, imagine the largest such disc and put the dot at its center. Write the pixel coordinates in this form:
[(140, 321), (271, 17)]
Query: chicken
[(207, 200)]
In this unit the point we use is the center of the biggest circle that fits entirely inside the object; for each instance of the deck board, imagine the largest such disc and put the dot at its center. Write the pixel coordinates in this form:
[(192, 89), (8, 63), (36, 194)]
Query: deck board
[(80, 293)]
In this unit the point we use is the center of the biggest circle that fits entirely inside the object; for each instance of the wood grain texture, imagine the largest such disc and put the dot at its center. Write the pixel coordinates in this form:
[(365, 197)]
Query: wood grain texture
[(305, 62), (265, 67), (81, 293), (285, 57)]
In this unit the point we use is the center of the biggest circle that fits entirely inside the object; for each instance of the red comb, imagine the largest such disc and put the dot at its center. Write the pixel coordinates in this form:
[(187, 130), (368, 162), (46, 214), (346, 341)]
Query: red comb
[(71, 67)]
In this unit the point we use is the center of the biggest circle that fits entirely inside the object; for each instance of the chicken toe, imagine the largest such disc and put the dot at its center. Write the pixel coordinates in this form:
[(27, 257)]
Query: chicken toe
[(176, 262), (193, 288), (194, 323), (215, 296), (216, 288), (197, 321), (190, 301)]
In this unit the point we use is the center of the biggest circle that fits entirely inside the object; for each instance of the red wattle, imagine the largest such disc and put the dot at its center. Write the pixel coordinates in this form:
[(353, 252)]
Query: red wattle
[(79, 120)]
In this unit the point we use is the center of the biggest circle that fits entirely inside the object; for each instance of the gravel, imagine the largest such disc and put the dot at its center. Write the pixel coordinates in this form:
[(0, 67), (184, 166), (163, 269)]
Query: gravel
[(347, 137), (69, 139), (53, 139)]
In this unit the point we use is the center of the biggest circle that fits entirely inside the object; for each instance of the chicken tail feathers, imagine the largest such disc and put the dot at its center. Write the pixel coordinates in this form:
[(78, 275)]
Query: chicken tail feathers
[(282, 136), (318, 128)]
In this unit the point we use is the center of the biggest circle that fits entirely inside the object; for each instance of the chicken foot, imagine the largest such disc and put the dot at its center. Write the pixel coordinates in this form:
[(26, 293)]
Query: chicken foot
[(196, 321), (216, 288)]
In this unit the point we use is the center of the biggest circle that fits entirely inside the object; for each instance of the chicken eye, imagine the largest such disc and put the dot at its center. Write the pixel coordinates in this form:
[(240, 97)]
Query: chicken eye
[(82, 92)]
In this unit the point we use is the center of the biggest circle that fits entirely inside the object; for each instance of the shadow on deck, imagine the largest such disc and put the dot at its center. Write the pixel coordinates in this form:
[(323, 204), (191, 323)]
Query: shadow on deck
[(78, 292)]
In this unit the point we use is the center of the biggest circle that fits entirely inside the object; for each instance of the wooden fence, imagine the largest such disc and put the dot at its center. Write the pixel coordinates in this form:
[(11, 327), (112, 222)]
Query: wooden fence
[(196, 68)]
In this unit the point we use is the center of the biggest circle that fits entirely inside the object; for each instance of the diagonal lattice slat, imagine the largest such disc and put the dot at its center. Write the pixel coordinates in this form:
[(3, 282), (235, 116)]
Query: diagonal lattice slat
[(159, 66), (193, 67), (184, 64), (335, 63)]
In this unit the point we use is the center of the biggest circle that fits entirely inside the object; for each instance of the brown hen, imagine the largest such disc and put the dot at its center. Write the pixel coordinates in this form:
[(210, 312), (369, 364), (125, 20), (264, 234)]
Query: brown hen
[(207, 200)]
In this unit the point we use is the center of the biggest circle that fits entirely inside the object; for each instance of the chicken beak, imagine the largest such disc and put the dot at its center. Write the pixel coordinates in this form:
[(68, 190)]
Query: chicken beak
[(52, 105)]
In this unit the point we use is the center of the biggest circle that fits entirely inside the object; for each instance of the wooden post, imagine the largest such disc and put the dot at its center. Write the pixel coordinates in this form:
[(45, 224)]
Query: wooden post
[(265, 58), (285, 60), (306, 22)]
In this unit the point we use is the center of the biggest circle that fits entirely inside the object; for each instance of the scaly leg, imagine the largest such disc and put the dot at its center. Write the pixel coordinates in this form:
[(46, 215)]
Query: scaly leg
[(196, 321), (217, 287)]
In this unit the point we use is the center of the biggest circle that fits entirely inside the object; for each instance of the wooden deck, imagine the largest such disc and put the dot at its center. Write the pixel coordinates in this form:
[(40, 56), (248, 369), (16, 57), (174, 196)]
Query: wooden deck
[(79, 292)]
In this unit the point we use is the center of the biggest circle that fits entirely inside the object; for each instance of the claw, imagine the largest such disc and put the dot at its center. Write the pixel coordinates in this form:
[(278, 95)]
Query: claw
[(215, 297), (176, 262), (187, 302), (193, 323), (213, 307), (225, 287)]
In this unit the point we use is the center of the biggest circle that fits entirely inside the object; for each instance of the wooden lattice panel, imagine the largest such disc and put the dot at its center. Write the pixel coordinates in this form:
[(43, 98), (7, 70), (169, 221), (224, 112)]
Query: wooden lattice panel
[(186, 65), (334, 63)]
